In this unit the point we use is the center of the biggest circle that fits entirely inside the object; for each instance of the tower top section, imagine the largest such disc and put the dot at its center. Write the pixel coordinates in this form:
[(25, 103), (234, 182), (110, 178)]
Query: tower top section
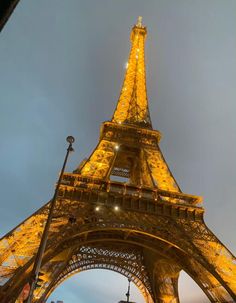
[(132, 106)]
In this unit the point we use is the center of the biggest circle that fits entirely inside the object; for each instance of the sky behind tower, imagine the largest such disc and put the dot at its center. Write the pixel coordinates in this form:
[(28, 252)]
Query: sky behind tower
[(62, 66)]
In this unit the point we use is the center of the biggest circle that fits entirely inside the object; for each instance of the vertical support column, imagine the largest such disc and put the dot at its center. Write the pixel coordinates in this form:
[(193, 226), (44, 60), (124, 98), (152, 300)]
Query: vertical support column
[(165, 282), (166, 290)]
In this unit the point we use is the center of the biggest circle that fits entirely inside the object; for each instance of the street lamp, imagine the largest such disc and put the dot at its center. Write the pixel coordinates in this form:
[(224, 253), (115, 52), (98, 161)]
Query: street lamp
[(43, 242)]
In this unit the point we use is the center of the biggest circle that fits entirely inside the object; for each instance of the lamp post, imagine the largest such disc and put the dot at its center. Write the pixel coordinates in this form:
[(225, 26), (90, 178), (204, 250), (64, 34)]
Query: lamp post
[(128, 292), (43, 242)]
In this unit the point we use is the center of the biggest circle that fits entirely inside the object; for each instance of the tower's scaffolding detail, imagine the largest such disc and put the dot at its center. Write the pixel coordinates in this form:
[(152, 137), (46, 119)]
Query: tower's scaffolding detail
[(143, 226)]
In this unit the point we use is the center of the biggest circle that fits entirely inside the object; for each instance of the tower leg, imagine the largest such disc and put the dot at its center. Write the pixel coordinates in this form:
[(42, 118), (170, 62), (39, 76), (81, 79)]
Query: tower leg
[(166, 290), (217, 260), (165, 275)]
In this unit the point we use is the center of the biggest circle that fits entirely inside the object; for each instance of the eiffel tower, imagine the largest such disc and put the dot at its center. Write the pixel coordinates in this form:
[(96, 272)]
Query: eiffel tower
[(122, 210)]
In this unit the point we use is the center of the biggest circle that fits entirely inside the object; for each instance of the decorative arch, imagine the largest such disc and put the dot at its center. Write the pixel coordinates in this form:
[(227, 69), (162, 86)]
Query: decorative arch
[(126, 261), (164, 244)]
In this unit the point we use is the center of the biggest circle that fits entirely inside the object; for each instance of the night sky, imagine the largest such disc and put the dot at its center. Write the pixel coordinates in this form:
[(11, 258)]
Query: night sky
[(61, 70)]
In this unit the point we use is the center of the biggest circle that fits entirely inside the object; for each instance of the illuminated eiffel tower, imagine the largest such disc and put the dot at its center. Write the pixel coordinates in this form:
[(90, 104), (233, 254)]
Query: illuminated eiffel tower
[(141, 226)]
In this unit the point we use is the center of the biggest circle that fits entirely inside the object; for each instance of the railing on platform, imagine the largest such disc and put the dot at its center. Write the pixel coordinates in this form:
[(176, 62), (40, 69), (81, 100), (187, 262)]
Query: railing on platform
[(78, 181)]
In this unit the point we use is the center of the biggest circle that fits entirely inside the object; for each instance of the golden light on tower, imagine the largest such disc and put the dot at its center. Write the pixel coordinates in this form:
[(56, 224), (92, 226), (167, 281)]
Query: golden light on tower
[(132, 106), (144, 226)]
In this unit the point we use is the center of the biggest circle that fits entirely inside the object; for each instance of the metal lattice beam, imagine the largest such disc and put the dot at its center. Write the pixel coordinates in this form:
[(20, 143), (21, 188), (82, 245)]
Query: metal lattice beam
[(145, 228)]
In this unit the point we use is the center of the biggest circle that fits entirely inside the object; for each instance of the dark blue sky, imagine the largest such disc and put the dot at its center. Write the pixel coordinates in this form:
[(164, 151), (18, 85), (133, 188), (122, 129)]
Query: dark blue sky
[(62, 66)]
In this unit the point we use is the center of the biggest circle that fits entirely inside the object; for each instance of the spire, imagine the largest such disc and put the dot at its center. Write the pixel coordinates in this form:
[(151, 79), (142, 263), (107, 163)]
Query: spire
[(132, 106)]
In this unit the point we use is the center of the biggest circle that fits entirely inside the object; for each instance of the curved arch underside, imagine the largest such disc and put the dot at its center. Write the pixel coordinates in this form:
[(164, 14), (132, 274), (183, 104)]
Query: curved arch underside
[(125, 259), (149, 248)]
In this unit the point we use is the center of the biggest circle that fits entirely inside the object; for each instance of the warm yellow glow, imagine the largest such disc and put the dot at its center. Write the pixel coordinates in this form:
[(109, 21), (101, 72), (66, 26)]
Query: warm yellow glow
[(140, 19), (100, 161), (150, 179), (132, 106)]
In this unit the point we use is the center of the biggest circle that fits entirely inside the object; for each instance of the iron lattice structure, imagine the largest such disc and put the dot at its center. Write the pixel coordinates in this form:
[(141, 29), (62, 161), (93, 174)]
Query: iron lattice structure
[(154, 232)]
